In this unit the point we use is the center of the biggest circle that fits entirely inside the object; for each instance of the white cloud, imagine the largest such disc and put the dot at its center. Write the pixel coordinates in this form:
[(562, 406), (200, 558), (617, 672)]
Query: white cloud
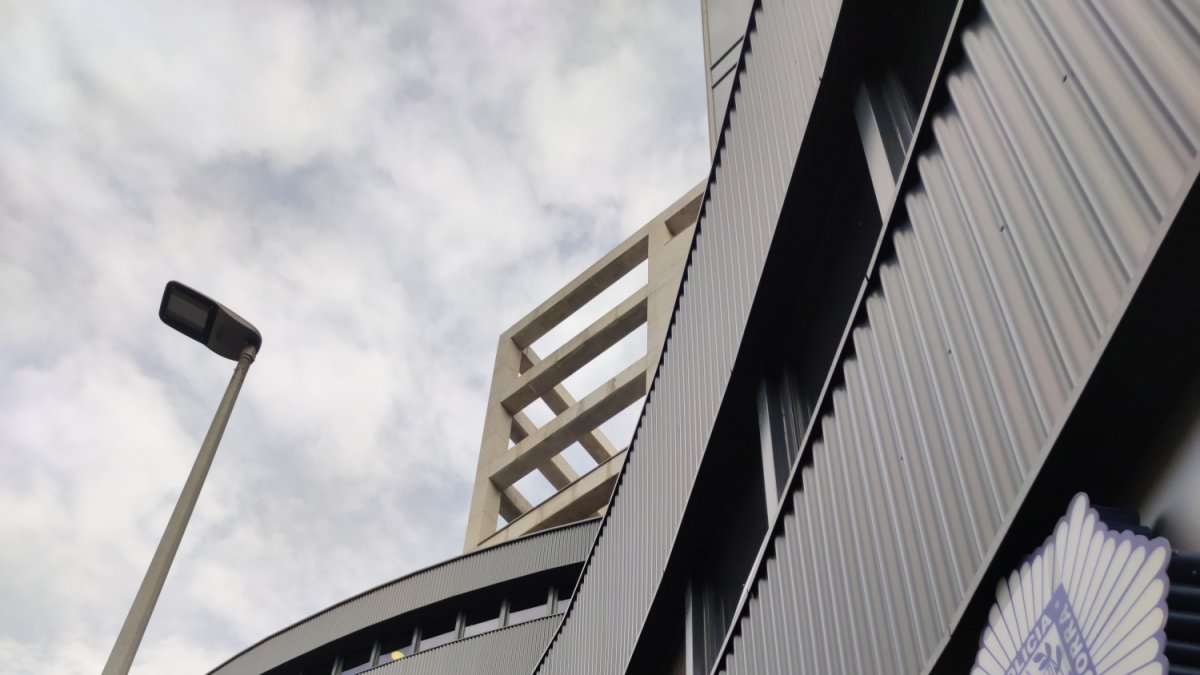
[(381, 188)]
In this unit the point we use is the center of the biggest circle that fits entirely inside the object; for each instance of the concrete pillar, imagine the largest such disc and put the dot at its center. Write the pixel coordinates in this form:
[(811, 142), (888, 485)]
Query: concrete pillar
[(497, 426)]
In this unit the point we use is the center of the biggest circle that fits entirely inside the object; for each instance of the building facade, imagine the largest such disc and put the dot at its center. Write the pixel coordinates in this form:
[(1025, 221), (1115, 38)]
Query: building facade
[(941, 292)]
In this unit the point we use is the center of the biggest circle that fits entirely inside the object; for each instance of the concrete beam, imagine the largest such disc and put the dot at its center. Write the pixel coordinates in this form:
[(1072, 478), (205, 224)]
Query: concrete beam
[(578, 351), (559, 400), (584, 498), (607, 400), (685, 210), (513, 504), (616, 264), (522, 427), (558, 471)]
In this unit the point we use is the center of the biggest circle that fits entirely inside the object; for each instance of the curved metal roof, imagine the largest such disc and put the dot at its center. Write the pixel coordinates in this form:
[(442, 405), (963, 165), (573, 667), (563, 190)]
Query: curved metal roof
[(473, 571)]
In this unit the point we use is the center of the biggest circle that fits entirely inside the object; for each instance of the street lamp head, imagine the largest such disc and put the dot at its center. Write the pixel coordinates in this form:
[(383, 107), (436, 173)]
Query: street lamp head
[(206, 321)]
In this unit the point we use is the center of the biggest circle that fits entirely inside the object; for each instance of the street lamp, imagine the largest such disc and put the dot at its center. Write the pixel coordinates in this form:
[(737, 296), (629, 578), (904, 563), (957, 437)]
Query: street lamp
[(208, 322)]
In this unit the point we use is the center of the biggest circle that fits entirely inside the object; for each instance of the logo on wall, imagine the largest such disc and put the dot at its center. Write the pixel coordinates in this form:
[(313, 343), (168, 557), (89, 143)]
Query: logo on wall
[(1089, 601)]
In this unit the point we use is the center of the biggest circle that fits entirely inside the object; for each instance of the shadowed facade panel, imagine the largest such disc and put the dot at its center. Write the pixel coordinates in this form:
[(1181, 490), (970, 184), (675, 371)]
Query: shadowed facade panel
[(1045, 194)]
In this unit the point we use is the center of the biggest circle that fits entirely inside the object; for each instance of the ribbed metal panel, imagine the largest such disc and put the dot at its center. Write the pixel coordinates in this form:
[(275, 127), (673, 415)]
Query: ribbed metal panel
[(1073, 127), (783, 57), (1183, 613), (480, 569), (508, 651)]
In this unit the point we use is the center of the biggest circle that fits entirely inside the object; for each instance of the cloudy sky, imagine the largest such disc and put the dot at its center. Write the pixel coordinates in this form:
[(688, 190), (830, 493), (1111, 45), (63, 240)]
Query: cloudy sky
[(382, 188)]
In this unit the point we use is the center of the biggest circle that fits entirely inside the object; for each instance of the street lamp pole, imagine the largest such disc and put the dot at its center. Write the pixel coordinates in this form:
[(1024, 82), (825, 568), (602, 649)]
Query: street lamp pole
[(121, 658), (178, 297)]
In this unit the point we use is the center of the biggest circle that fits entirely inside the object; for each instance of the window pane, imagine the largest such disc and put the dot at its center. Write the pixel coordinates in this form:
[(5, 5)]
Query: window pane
[(356, 662), (482, 619), (438, 632), (529, 606), (396, 646), (564, 597), (795, 415)]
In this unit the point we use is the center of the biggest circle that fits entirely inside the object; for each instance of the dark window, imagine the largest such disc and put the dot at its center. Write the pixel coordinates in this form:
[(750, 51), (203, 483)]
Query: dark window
[(395, 646), (528, 606), (481, 619), (900, 66), (823, 288), (356, 662), (436, 633), (564, 597), (885, 117), (782, 418), (721, 565)]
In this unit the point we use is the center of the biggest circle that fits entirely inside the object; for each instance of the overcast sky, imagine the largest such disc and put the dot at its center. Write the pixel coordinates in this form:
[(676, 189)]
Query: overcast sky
[(382, 188)]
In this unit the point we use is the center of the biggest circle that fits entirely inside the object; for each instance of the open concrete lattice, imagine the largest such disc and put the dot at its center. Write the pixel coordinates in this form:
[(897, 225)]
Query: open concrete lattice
[(514, 446)]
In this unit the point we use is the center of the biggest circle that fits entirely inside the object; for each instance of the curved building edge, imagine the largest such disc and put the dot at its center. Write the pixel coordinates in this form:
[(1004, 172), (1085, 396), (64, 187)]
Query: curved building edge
[(545, 562)]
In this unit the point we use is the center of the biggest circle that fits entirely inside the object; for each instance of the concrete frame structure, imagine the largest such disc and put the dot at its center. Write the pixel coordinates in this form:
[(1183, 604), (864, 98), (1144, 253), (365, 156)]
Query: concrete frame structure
[(521, 377)]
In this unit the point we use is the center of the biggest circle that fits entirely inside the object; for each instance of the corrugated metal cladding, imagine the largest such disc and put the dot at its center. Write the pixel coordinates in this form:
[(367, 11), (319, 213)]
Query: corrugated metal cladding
[(511, 560), (783, 59), (1073, 127), (508, 651)]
